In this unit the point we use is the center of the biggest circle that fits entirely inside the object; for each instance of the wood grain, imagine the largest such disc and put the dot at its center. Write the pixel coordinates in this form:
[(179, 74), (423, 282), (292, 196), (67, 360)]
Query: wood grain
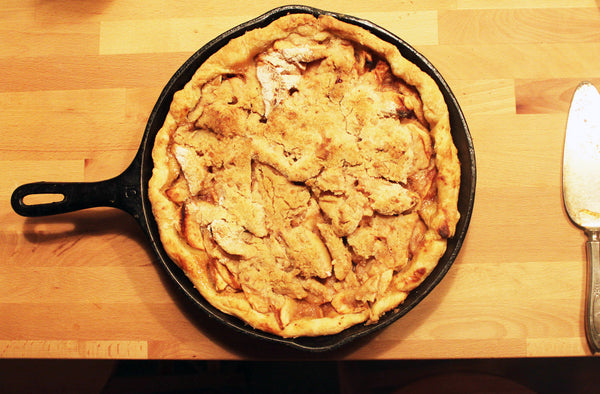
[(79, 79), (500, 26)]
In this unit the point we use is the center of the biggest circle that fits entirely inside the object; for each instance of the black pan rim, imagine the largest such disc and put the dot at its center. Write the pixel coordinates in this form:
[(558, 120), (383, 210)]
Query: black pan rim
[(466, 197)]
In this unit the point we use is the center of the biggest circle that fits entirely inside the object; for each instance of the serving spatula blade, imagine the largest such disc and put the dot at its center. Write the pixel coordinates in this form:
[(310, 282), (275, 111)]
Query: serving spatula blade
[(581, 192)]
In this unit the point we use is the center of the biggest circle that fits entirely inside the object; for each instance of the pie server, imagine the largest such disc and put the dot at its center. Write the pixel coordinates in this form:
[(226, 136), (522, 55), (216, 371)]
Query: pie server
[(581, 192)]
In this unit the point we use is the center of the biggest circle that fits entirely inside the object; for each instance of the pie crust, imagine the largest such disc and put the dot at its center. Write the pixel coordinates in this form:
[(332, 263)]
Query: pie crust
[(305, 178)]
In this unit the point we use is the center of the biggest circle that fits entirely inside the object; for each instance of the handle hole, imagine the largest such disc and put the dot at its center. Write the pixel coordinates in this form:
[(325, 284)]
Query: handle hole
[(43, 198)]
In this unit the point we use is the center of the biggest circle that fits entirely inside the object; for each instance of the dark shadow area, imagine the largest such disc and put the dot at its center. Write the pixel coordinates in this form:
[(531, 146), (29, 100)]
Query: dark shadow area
[(85, 223), (534, 375)]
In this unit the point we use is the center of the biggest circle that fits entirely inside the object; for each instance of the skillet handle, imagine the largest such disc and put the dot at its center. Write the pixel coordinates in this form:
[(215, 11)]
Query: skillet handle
[(121, 192)]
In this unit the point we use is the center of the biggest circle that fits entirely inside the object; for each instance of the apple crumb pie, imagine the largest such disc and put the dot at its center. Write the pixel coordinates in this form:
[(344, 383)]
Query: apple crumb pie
[(305, 178)]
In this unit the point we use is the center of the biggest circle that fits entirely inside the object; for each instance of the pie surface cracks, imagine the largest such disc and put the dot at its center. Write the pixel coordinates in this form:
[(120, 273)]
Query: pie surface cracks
[(305, 178)]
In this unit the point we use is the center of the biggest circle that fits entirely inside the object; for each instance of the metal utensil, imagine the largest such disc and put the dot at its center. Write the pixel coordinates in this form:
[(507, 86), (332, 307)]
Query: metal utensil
[(581, 192)]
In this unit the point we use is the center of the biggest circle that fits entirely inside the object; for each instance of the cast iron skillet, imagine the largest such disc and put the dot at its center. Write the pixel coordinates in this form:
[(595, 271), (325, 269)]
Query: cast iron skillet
[(129, 190)]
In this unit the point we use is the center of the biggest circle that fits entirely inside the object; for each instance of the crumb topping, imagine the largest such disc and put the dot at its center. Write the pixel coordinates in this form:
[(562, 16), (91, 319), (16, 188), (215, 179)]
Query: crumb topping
[(305, 176)]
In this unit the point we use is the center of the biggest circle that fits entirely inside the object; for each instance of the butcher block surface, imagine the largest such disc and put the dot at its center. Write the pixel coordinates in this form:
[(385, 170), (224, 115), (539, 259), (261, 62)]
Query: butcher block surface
[(78, 81)]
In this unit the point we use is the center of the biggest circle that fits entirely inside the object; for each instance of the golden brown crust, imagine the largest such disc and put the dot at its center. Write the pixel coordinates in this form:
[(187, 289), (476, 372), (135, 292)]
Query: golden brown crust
[(305, 178)]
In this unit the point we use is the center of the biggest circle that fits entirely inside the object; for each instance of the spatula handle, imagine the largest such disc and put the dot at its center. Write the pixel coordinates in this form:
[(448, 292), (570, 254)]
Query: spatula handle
[(592, 315)]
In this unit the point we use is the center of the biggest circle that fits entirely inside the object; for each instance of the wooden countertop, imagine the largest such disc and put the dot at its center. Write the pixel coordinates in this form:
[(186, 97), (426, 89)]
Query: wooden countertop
[(79, 79)]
